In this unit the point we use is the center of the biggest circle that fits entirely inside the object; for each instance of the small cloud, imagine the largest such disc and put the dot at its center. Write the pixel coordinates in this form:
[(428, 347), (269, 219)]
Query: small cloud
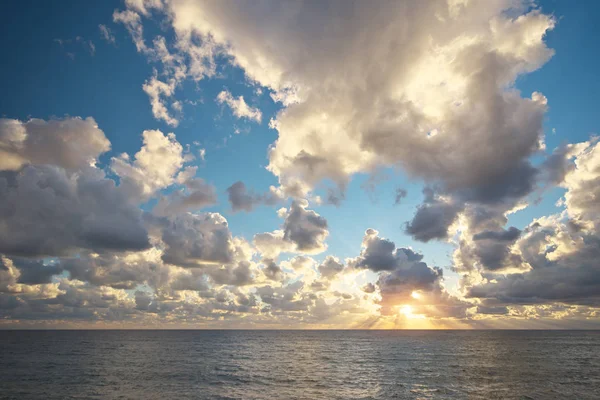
[(107, 34), (400, 194), (239, 107)]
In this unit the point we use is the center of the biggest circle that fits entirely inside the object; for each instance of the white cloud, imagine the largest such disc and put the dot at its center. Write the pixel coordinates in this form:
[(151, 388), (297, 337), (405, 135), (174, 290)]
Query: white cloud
[(239, 107), (154, 167)]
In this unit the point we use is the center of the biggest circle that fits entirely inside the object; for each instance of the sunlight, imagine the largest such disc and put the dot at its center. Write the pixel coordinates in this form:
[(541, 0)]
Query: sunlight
[(408, 312), (415, 295)]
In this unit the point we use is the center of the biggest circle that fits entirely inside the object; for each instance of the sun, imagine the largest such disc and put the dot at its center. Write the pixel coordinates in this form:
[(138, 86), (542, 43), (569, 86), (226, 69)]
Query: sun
[(415, 295), (407, 311)]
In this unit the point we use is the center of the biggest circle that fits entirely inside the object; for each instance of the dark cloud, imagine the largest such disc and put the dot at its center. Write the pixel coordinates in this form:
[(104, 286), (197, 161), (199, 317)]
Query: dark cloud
[(335, 196), (305, 228), (433, 218), (513, 183), (143, 300), (114, 270), (34, 272), (235, 275), (241, 199), (330, 267), (401, 272), (557, 274), (272, 271), (193, 240), (400, 194), (284, 299), (196, 195), (493, 248), (509, 235), (369, 288), (85, 210)]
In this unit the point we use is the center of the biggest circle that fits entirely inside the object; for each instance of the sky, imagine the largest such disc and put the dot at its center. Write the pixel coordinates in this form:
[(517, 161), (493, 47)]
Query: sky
[(240, 164)]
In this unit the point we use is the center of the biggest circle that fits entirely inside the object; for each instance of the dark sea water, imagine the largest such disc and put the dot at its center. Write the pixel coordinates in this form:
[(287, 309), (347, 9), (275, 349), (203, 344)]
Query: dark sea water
[(300, 364)]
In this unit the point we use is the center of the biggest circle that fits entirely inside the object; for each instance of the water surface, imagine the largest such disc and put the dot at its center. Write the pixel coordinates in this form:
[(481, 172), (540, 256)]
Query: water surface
[(300, 364)]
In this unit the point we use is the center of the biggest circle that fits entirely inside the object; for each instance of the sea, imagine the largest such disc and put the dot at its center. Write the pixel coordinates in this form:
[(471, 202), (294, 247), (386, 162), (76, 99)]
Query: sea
[(299, 364)]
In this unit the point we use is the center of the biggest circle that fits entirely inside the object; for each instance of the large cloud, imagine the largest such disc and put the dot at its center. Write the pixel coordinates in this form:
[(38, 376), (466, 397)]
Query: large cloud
[(557, 255), (425, 85), (70, 143), (80, 210)]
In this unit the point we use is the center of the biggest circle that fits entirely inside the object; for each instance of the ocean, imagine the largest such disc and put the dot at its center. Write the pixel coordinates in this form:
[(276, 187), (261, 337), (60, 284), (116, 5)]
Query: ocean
[(231, 364)]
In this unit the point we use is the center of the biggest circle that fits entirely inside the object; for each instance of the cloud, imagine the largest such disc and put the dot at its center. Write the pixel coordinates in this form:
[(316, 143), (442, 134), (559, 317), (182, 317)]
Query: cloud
[(433, 218), (239, 107), (83, 210), (243, 200), (401, 271), (426, 87), (196, 194), (156, 90), (153, 168), (30, 272), (107, 34), (70, 143), (305, 228), (272, 271), (395, 111), (400, 194), (133, 23), (193, 240), (330, 267), (557, 254), (303, 231)]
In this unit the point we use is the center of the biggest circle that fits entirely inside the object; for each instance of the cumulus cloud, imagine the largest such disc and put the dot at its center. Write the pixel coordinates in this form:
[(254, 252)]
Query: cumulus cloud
[(427, 87), (557, 253), (195, 194), (330, 267), (83, 210), (153, 168), (396, 111), (433, 218), (305, 228), (29, 272), (272, 271), (303, 231), (239, 107), (242, 199), (70, 143), (193, 240), (401, 272)]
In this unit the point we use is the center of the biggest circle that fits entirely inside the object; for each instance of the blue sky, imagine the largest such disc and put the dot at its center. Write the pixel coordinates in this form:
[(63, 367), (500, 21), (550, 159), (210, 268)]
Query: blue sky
[(107, 85), (57, 64)]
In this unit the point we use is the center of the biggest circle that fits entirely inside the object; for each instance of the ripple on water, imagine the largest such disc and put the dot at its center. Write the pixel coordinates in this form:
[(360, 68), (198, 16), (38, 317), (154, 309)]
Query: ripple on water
[(300, 364)]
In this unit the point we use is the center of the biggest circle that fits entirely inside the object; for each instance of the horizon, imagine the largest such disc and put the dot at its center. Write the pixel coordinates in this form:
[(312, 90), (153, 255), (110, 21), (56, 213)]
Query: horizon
[(193, 165)]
